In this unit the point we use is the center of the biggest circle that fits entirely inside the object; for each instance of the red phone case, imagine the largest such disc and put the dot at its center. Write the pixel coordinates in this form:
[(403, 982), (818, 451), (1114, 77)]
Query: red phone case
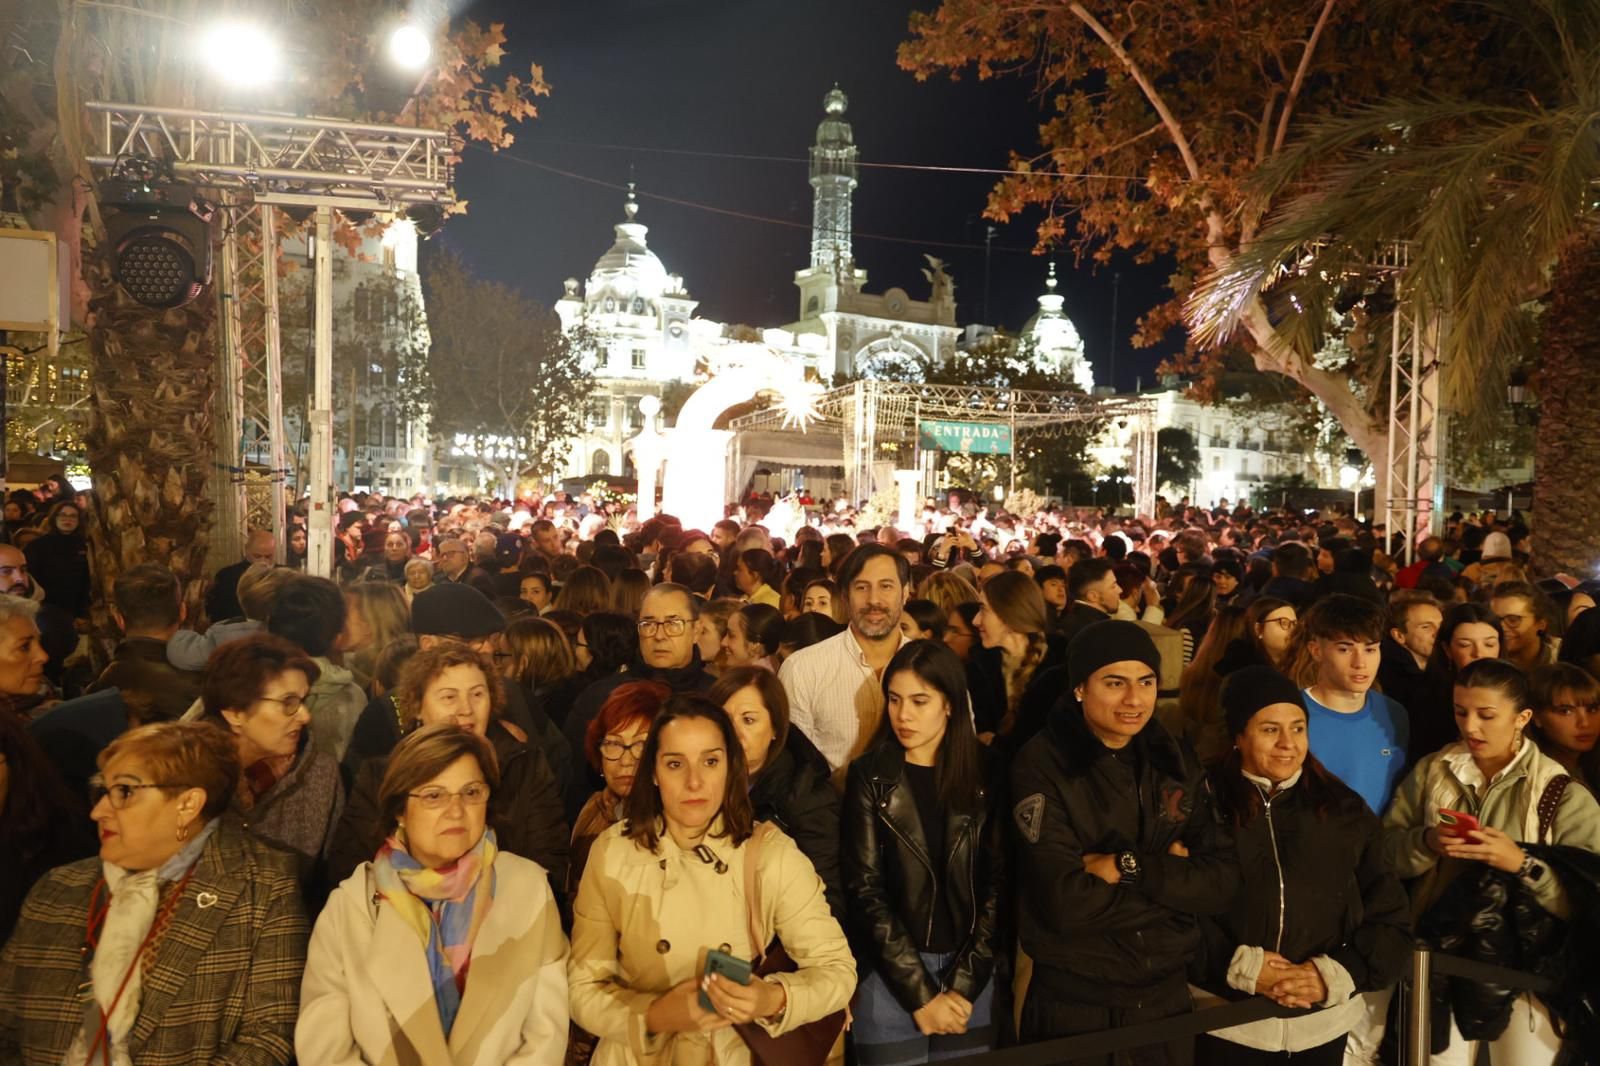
[(1458, 824)]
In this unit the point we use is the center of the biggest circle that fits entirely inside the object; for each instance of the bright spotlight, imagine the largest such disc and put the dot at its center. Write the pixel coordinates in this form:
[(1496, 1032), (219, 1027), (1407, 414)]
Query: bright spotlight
[(409, 47), (241, 53)]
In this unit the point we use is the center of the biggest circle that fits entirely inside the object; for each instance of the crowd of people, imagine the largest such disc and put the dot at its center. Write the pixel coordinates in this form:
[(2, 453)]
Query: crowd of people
[(533, 782)]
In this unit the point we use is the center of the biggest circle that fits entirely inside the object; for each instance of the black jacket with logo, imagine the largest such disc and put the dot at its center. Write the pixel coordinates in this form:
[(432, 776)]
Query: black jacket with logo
[(1072, 796), (889, 876)]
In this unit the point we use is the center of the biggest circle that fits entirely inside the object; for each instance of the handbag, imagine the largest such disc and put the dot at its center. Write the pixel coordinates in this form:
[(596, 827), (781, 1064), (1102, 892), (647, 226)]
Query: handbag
[(803, 1045)]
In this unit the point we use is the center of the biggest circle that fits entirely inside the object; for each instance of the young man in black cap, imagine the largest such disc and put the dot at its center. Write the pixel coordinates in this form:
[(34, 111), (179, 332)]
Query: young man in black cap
[(1118, 848)]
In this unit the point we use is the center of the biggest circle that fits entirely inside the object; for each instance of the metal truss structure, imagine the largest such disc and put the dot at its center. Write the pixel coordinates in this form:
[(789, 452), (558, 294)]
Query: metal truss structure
[(872, 414), (1414, 462), (283, 158), (253, 162)]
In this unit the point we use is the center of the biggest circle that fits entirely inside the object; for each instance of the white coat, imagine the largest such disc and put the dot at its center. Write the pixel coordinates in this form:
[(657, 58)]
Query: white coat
[(366, 997)]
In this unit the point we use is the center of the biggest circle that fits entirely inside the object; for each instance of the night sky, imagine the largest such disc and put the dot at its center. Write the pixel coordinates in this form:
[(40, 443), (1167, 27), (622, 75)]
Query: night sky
[(747, 77)]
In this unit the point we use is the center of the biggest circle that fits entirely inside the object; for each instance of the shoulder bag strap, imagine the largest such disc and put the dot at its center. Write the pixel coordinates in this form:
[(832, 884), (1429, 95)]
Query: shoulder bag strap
[(1548, 804), (752, 891)]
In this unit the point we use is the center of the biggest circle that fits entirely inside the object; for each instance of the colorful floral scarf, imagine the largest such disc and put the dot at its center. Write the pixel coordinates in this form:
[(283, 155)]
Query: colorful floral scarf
[(445, 907)]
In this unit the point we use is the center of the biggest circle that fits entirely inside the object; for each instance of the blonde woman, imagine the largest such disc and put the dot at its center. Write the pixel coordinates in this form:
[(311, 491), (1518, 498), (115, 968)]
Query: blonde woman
[(376, 615)]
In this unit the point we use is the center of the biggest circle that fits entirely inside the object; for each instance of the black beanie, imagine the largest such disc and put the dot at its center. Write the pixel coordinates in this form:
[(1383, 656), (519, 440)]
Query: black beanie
[(1104, 643), (1250, 688), (455, 610)]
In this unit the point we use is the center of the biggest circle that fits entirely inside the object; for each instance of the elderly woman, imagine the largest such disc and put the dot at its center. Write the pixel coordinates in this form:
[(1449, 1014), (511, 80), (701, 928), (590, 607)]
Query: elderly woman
[(788, 776), (453, 684), (289, 792), (419, 575), (183, 943), (22, 658), (671, 880), (442, 949)]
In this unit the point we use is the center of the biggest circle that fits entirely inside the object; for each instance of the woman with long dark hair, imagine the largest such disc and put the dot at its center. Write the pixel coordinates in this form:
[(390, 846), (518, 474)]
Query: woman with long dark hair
[(669, 881), (59, 560), (1319, 919), (1511, 789), (923, 868), (1007, 678), (789, 784), (1469, 632), (42, 824)]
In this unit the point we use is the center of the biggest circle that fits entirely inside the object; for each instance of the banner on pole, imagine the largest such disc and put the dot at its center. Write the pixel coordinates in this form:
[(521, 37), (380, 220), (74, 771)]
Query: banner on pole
[(970, 438)]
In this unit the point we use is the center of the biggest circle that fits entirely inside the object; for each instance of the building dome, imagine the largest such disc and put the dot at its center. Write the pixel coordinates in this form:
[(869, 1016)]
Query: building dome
[(1056, 344), (629, 269)]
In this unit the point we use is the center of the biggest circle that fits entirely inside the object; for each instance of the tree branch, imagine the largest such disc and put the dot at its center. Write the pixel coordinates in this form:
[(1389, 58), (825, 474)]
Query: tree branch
[(1157, 101), (1300, 75)]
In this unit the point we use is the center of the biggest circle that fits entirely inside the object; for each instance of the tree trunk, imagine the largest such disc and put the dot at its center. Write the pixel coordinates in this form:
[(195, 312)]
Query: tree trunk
[(1566, 496), (150, 439)]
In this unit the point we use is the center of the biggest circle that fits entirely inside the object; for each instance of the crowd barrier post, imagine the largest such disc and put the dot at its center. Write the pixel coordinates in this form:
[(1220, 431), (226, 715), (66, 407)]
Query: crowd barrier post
[(1418, 1029)]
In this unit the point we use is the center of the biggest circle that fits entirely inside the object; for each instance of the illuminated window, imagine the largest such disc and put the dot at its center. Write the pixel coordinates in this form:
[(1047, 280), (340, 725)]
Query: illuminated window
[(638, 359)]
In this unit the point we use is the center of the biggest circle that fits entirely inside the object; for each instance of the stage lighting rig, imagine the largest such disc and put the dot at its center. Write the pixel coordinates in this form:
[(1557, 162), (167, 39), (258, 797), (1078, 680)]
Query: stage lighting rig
[(160, 234)]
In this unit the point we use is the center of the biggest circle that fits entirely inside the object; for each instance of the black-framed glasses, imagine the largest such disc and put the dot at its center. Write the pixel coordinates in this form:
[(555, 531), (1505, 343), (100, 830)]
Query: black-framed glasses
[(475, 794), (614, 750), (288, 705), (673, 627), (121, 793)]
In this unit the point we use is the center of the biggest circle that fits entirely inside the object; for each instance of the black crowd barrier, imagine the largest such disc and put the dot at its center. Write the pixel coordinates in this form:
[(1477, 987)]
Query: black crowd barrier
[(1210, 1019)]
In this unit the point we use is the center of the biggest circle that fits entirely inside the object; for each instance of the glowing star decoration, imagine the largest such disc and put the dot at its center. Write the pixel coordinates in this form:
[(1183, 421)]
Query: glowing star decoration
[(798, 401)]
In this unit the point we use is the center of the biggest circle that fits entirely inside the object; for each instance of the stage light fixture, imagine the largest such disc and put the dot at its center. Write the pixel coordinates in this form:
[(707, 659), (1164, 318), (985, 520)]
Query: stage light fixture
[(409, 47), (241, 53), (160, 235)]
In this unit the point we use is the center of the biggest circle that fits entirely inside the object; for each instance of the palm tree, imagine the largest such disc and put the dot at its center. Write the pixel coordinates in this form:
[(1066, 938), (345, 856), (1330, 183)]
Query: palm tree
[(1496, 201)]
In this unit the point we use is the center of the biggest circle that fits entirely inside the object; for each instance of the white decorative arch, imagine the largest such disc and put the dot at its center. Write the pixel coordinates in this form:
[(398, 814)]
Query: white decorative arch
[(695, 482)]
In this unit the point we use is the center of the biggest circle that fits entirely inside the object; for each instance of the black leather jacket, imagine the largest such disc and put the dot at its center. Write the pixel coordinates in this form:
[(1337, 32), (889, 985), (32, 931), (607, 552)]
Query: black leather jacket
[(889, 877)]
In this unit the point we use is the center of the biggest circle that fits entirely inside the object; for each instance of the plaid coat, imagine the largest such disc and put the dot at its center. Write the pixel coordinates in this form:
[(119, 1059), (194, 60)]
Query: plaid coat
[(223, 986)]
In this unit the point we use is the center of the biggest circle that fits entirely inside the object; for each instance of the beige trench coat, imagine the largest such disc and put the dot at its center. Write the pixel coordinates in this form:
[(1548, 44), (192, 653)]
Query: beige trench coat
[(642, 923)]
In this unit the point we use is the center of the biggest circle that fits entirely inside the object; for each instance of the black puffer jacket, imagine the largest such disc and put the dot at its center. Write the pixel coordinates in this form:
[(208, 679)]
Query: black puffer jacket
[(892, 889), (1072, 796), (1491, 916), (792, 792), (1312, 886), (525, 812)]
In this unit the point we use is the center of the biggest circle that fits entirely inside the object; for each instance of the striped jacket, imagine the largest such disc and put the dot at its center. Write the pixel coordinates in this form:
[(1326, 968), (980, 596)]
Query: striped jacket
[(223, 986)]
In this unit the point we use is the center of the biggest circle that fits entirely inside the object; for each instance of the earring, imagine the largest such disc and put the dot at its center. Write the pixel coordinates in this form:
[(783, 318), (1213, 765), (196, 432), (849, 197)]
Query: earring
[(183, 832)]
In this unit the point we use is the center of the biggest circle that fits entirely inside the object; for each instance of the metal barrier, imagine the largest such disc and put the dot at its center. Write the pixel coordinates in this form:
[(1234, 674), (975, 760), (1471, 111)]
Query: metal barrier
[(1425, 963)]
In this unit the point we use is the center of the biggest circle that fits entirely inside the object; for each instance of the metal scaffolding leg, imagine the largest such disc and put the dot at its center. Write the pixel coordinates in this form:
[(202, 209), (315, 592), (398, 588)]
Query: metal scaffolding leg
[(252, 381), (1144, 466), (1415, 428)]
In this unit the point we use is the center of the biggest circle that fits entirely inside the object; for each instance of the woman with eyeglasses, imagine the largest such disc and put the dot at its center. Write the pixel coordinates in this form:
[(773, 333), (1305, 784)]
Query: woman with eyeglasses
[(1566, 720), (442, 949), (669, 882), (614, 743), (182, 944), (289, 791), (453, 684)]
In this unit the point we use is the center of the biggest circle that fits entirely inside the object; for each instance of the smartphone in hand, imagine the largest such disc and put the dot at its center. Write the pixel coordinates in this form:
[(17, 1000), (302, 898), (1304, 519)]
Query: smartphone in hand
[(734, 969), (1457, 823)]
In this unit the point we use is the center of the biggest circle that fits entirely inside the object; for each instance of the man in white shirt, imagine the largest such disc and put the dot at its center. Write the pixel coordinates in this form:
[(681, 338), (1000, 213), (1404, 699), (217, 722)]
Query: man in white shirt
[(835, 687)]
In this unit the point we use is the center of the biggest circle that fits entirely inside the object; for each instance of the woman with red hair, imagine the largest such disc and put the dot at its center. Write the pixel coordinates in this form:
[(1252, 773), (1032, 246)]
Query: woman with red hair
[(613, 743)]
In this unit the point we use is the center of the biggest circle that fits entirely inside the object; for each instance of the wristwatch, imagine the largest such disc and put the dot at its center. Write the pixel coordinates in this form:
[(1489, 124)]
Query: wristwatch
[(1128, 867), (1530, 870)]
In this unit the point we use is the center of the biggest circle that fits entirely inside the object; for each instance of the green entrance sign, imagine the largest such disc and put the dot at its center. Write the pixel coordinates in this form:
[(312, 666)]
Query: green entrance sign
[(971, 438)]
